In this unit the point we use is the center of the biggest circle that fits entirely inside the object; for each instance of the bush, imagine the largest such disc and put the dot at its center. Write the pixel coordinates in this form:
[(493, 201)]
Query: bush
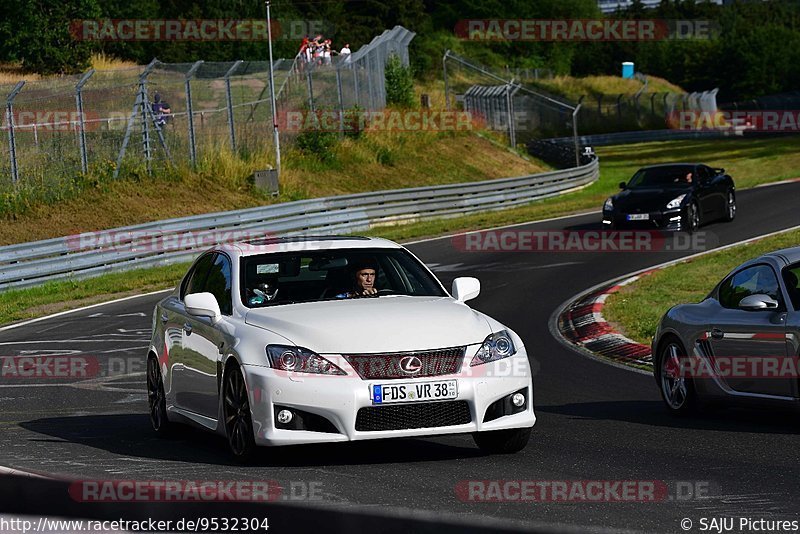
[(399, 83), (317, 142)]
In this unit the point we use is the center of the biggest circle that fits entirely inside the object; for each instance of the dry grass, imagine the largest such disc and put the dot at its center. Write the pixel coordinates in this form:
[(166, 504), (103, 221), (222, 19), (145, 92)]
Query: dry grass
[(11, 73), (375, 162), (102, 61), (573, 88)]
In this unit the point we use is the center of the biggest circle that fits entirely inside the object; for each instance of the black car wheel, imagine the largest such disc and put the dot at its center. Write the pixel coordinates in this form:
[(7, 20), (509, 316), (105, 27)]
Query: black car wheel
[(236, 411), (730, 208), (502, 441), (693, 217), (156, 399), (677, 389)]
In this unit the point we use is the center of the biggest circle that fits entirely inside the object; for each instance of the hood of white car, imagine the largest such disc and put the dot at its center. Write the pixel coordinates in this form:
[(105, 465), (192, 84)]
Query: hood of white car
[(369, 325)]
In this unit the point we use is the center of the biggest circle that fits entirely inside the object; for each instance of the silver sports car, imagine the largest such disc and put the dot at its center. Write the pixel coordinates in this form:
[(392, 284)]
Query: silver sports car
[(740, 344)]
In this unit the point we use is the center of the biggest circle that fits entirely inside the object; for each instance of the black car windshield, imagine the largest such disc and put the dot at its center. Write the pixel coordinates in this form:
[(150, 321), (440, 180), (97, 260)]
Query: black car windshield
[(308, 276), (667, 176)]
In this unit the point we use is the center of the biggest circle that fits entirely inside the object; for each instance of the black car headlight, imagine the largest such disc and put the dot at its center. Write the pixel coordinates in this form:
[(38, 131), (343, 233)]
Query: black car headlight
[(495, 347), (609, 204), (300, 360), (675, 203)]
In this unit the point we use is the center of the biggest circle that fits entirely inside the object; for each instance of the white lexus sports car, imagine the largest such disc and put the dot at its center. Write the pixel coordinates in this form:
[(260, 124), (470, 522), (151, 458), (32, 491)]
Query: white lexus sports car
[(271, 343)]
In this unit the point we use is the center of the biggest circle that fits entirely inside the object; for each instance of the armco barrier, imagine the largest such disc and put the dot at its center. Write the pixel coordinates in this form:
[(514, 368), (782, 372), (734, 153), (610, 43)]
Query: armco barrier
[(28, 264), (645, 136)]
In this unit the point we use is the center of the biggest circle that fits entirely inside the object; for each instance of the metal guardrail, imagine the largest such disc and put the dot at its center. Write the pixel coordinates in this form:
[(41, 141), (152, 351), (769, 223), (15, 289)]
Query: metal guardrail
[(644, 136), (89, 254)]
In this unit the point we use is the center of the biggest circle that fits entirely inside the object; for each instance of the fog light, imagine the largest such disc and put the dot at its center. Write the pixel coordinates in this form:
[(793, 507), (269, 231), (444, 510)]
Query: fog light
[(518, 399), (285, 416)]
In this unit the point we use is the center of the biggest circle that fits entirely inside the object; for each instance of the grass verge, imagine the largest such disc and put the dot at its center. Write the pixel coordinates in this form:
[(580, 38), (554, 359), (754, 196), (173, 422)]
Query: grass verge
[(574, 88), (636, 309), (750, 163)]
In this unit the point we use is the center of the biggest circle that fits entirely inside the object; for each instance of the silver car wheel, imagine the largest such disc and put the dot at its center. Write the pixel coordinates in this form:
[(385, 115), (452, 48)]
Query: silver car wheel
[(731, 206), (673, 385)]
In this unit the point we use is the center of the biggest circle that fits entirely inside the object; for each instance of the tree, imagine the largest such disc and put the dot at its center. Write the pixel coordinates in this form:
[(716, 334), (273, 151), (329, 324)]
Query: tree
[(399, 83), (41, 34)]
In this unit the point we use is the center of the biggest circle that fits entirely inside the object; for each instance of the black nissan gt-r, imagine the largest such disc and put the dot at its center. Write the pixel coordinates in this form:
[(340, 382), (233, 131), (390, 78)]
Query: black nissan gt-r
[(675, 196)]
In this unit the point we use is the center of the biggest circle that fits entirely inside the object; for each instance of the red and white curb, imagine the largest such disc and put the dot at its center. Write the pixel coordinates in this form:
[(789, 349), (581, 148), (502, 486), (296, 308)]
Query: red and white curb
[(582, 324)]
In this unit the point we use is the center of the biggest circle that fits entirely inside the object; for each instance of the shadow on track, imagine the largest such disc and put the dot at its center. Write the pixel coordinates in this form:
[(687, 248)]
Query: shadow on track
[(653, 413), (132, 436)]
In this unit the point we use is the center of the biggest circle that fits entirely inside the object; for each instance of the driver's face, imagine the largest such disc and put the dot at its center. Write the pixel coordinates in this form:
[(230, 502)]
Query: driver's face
[(365, 278)]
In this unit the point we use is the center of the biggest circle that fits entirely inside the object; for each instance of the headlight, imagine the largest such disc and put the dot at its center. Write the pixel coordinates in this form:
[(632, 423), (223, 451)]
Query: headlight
[(609, 205), (675, 202), (495, 347), (300, 360)]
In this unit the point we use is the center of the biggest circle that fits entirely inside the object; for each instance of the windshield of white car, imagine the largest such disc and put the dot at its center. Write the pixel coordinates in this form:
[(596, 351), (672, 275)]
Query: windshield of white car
[(667, 176), (311, 276)]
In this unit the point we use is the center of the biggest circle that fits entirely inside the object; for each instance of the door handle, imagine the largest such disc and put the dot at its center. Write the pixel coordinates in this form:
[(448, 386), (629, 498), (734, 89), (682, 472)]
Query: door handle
[(187, 328), (716, 333), (164, 318)]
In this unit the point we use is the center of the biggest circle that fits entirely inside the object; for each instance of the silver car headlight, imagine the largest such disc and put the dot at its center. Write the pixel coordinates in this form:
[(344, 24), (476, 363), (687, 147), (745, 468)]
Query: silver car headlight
[(609, 204), (495, 347), (300, 360), (675, 202)]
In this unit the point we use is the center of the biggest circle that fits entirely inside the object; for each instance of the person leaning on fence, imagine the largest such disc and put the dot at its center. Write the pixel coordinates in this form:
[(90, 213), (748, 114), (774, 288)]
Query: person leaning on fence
[(303, 52), (326, 51), (161, 110)]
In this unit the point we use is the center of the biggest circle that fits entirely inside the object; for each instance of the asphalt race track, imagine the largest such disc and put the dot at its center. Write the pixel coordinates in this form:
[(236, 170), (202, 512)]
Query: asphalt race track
[(595, 421)]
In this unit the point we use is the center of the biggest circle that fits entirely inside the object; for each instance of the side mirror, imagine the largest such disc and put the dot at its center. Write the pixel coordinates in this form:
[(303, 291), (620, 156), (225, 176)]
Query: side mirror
[(203, 305), (623, 185), (466, 288), (758, 302)]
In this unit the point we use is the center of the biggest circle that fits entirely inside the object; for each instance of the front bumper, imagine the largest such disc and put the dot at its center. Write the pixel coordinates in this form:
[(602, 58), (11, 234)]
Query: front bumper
[(338, 400), (670, 220)]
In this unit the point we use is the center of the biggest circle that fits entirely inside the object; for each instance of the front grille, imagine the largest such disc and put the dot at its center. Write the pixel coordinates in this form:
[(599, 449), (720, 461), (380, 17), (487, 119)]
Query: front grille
[(407, 416), (388, 366)]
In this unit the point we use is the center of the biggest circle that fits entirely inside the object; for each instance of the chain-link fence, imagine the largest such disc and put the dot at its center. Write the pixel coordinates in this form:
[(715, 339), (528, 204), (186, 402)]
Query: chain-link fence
[(131, 121), (506, 105), (526, 114)]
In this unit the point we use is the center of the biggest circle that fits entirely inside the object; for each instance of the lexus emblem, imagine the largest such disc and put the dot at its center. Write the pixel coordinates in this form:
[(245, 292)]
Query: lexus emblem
[(410, 365)]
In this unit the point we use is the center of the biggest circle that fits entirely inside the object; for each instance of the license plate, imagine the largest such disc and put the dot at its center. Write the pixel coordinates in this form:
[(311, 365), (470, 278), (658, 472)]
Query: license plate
[(638, 216), (414, 392)]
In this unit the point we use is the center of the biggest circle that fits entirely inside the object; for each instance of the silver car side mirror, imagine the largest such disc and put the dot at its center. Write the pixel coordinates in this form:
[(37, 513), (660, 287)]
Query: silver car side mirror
[(466, 288), (203, 305), (758, 302)]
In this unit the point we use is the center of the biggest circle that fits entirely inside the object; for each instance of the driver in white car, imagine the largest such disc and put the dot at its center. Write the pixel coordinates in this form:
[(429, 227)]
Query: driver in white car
[(363, 280)]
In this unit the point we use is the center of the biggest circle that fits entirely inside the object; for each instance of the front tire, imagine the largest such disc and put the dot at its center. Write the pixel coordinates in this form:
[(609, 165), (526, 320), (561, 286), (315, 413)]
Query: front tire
[(677, 389), (157, 400), (730, 208), (502, 441), (237, 417), (692, 218)]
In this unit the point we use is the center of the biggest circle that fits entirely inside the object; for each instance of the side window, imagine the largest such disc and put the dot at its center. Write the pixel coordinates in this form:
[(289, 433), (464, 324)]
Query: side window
[(791, 277), (218, 283), (758, 279), (703, 172), (196, 282)]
